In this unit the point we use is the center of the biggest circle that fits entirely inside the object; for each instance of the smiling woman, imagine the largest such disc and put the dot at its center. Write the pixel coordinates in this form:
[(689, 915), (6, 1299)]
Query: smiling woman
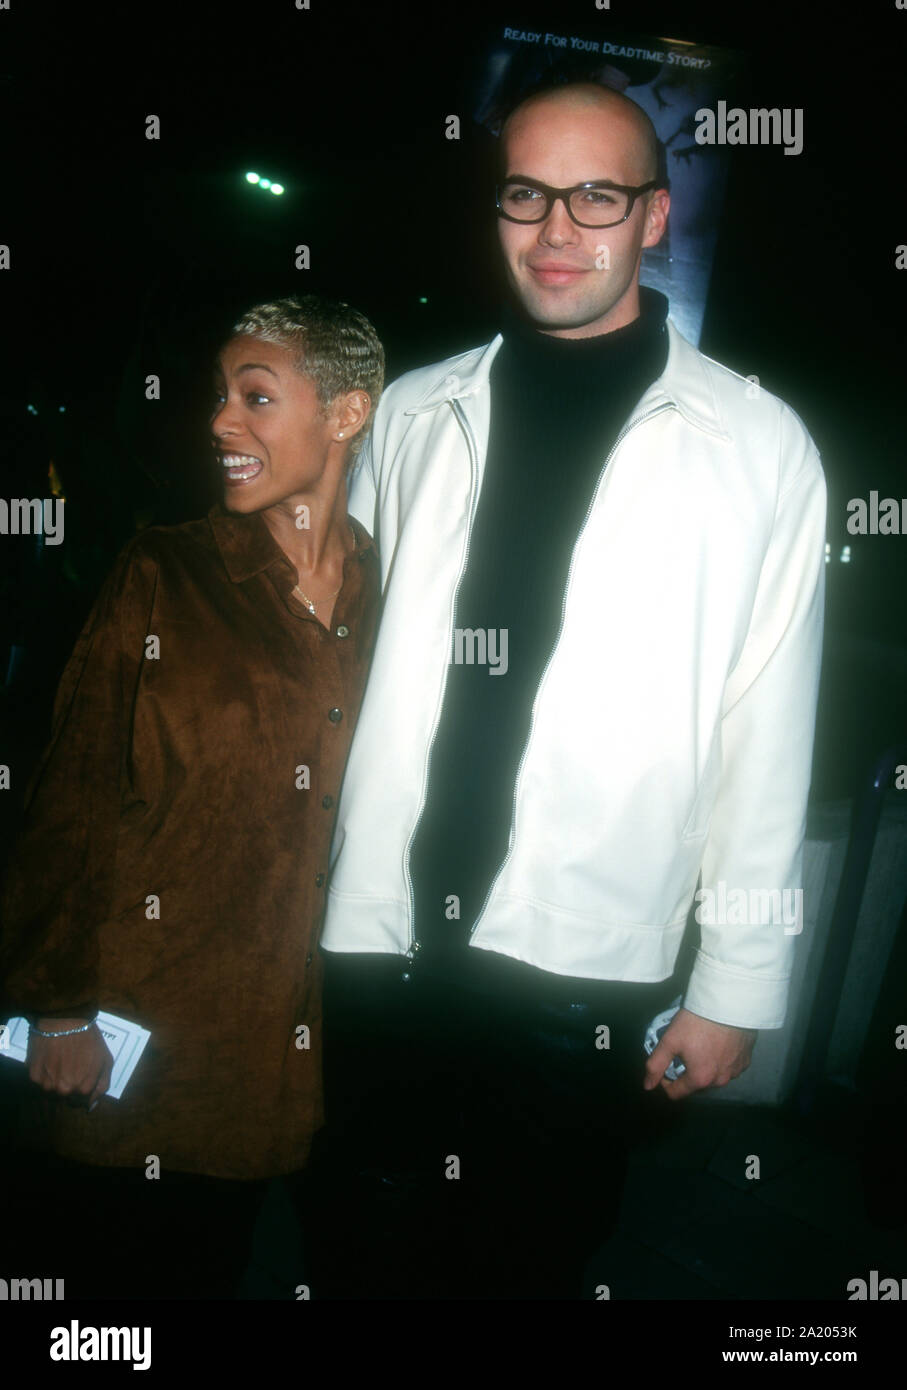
[(172, 867), (295, 388)]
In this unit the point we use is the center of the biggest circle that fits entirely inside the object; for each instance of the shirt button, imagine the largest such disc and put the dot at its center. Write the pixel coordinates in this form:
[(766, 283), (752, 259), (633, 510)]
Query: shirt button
[(327, 802), (319, 880), (406, 976), (343, 630), (335, 715), (308, 959)]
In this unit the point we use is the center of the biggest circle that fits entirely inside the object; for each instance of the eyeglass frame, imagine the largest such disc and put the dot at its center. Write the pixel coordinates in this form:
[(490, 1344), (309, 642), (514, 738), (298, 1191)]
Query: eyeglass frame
[(555, 195)]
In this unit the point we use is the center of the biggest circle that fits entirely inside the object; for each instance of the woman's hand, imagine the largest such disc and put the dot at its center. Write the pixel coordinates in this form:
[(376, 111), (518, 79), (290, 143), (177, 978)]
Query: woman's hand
[(78, 1064)]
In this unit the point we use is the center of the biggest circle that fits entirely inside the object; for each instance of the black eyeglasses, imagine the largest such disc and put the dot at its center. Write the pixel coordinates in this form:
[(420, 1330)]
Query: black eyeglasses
[(599, 203)]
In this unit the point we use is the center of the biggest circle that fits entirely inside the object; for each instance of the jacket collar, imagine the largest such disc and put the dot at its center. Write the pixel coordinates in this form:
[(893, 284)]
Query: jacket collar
[(247, 546), (684, 383)]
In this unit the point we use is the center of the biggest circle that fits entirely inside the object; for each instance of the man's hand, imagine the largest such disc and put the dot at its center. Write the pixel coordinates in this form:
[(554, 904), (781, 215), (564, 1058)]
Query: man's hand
[(79, 1064), (713, 1053)]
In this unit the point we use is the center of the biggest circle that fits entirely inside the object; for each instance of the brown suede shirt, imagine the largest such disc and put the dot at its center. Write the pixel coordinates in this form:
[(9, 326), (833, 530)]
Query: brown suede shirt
[(172, 865)]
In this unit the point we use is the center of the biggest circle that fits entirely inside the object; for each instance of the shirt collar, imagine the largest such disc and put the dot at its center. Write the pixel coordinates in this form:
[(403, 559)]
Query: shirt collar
[(247, 546), (685, 383)]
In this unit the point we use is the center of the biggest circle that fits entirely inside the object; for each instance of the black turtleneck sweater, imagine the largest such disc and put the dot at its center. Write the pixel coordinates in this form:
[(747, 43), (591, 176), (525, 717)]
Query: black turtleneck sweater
[(557, 406)]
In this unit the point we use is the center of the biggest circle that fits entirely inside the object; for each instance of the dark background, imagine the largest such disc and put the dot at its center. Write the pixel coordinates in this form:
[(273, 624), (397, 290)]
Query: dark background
[(132, 256)]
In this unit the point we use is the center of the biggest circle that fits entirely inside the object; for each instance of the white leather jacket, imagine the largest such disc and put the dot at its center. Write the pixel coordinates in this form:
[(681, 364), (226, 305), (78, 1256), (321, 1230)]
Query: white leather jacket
[(672, 731)]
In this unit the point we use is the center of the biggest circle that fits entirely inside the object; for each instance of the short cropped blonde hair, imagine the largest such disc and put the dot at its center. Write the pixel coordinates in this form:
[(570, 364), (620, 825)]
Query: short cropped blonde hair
[(330, 342)]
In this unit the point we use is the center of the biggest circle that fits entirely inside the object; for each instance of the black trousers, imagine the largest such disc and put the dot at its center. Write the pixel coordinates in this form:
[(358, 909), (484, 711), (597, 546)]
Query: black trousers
[(477, 1138), (113, 1233)]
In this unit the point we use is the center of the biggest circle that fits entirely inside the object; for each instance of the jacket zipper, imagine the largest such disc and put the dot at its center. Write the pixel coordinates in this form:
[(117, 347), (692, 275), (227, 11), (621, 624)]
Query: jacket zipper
[(519, 772), (474, 466)]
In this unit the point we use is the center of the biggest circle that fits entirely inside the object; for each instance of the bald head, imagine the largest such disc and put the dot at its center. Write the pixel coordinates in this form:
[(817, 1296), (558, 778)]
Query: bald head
[(578, 276), (621, 121)]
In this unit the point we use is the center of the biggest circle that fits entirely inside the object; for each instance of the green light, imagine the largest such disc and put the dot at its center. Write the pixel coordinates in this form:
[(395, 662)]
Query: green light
[(276, 187), (251, 178), (422, 299), (264, 183)]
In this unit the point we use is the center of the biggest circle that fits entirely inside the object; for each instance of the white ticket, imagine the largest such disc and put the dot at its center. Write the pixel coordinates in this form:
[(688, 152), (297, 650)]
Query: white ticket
[(126, 1042)]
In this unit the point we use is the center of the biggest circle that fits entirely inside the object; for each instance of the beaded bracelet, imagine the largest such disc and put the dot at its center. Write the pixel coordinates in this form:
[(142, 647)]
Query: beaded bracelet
[(64, 1033)]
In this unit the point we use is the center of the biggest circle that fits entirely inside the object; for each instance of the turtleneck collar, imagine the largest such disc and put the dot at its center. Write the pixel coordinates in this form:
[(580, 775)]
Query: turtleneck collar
[(522, 336)]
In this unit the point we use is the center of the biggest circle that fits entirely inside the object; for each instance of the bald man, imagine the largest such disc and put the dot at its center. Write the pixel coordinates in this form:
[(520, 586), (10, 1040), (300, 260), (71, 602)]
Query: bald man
[(593, 691)]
